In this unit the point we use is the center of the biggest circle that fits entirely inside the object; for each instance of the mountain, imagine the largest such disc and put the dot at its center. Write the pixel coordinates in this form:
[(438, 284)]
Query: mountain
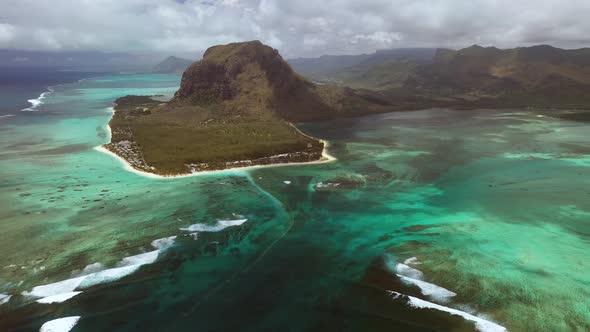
[(526, 76), (477, 67), (331, 64), (326, 64), (231, 110), (250, 77), (380, 70), (473, 77), (172, 64), (385, 69), (253, 79)]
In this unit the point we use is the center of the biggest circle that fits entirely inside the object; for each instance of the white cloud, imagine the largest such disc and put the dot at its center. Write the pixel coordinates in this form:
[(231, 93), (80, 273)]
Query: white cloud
[(382, 39), (6, 33), (297, 28)]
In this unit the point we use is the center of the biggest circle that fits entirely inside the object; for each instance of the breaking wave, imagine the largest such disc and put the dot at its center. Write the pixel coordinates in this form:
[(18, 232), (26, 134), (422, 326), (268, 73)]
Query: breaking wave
[(218, 226), (63, 290), (65, 324), (480, 323), (35, 103), (59, 298)]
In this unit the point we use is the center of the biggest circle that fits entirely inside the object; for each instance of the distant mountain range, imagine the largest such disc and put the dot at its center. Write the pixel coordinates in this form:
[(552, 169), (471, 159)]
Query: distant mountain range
[(172, 64), (327, 64), (364, 70), (76, 60), (92, 60), (538, 76), (494, 70)]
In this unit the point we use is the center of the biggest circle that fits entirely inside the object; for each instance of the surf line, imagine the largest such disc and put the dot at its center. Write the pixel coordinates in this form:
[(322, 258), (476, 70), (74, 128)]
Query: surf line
[(35, 103), (480, 323)]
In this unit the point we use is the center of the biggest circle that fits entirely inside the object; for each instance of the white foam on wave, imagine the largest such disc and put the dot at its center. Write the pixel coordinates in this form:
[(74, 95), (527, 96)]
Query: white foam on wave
[(6, 116), (480, 323), (67, 286), (92, 268), (163, 243), (434, 291), (412, 260), (59, 298), (125, 267), (141, 259), (60, 287), (410, 275), (37, 102), (326, 185), (218, 226), (287, 182), (4, 298), (107, 276), (408, 271), (64, 324)]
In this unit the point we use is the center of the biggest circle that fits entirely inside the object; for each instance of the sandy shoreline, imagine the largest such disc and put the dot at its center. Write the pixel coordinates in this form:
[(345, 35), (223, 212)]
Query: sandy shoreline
[(326, 158)]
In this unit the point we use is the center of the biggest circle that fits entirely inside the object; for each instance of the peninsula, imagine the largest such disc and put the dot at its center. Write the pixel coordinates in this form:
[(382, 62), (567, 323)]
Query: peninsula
[(475, 77), (233, 109)]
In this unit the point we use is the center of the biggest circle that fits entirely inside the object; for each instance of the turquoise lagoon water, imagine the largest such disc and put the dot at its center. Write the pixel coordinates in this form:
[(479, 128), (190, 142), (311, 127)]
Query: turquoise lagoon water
[(485, 212)]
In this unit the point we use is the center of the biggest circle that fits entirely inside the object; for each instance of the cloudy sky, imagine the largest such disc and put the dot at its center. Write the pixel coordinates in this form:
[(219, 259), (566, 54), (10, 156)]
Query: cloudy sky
[(296, 28)]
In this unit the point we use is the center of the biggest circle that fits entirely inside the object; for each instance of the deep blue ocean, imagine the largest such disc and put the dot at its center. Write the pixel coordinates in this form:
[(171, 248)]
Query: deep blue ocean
[(18, 85)]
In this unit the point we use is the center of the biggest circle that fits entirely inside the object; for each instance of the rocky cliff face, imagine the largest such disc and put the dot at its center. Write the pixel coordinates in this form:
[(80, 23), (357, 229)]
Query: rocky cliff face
[(252, 75)]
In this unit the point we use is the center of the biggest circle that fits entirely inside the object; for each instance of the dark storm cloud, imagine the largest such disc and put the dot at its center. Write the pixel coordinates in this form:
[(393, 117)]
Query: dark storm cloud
[(297, 28)]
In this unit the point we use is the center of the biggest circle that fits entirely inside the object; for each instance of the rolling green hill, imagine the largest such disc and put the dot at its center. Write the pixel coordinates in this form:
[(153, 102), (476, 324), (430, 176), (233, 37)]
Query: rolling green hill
[(540, 76), (380, 70)]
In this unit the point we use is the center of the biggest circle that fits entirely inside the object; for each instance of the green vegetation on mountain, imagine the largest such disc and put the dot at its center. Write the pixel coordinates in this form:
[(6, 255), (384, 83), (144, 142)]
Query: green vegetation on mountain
[(326, 64), (539, 76), (378, 71), (493, 69), (381, 76), (474, 77)]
